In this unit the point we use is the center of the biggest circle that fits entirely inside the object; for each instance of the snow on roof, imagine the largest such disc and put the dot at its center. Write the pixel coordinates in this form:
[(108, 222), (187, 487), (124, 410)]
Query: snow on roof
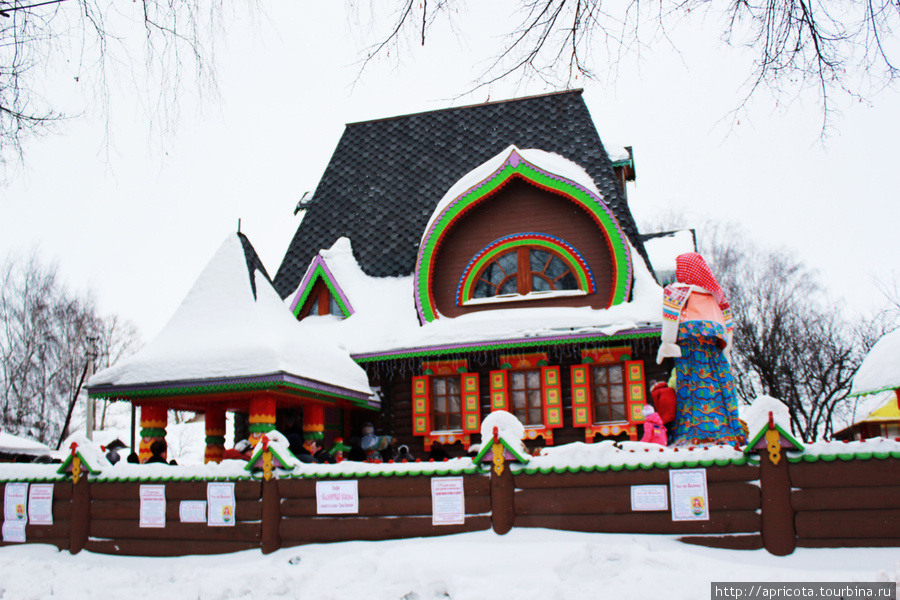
[(616, 454), (881, 368), (616, 153), (385, 317), (547, 161), (220, 330), (663, 250), (14, 444), (756, 416)]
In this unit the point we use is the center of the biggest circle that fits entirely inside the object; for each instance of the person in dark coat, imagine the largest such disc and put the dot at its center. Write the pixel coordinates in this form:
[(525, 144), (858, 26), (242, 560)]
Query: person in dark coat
[(403, 455), (158, 453)]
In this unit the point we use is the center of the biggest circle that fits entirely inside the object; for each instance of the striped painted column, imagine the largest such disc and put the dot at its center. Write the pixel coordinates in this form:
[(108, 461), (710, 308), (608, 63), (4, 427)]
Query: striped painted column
[(314, 422), (262, 418), (154, 418), (215, 434)]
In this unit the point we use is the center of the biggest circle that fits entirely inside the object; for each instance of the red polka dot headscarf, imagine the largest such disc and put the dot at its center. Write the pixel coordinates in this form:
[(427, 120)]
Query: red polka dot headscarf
[(691, 268)]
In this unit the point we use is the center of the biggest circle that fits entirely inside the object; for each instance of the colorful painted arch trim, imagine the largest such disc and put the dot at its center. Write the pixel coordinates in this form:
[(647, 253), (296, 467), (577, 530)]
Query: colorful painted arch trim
[(573, 258), (516, 166)]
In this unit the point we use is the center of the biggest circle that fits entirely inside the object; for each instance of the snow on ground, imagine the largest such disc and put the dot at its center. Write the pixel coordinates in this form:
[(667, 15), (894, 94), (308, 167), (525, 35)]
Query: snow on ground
[(525, 564)]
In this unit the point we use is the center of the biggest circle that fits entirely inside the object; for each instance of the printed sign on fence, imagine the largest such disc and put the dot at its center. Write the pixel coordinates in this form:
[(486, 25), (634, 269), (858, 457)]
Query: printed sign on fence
[(649, 497), (15, 502), (40, 504), (337, 497), (448, 502), (192, 511), (690, 500), (153, 506), (220, 504)]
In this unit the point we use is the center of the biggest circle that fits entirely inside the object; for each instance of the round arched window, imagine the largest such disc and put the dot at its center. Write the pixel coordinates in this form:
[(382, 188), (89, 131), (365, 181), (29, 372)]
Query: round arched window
[(524, 270)]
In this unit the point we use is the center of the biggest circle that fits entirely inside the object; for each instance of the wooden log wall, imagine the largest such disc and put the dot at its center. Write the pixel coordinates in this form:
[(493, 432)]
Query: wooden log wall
[(115, 521), (601, 502), (846, 503), (56, 534), (389, 508)]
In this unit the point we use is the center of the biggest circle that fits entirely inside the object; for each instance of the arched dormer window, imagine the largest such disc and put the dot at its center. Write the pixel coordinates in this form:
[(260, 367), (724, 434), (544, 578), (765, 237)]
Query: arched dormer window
[(523, 266)]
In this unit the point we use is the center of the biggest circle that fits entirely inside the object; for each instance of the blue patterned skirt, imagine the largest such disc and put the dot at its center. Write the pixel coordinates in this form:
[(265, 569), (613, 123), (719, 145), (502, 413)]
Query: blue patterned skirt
[(706, 406)]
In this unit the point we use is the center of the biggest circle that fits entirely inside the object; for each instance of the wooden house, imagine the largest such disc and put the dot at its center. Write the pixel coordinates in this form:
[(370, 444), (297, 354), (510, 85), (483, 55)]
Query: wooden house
[(875, 391), (468, 260)]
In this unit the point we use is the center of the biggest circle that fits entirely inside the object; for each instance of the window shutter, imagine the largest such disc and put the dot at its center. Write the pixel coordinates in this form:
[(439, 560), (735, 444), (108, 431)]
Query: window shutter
[(551, 397), (421, 404), (499, 391), (471, 403), (634, 382), (582, 409)]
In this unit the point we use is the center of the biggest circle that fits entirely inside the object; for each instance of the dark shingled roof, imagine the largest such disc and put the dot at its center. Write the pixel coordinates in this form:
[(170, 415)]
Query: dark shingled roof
[(387, 176), (253, 262)]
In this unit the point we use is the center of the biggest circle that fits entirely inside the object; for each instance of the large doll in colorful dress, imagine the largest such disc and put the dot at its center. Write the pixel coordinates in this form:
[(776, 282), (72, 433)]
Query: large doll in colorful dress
[(697, 332)]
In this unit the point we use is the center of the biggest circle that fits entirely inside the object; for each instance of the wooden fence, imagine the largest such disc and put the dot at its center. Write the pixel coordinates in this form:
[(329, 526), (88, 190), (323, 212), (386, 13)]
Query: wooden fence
[(834, 503)]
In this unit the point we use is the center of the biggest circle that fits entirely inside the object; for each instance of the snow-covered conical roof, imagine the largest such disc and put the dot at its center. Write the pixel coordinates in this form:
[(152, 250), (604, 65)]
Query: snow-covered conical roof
[(225, 328)]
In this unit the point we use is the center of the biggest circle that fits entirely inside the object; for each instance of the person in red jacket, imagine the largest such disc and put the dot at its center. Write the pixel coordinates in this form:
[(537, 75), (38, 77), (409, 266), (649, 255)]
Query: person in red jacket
[(663, 400)]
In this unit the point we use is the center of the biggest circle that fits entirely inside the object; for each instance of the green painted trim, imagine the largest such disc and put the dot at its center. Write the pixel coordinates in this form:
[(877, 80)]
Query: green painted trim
[(749, 447), (573, 262), (596, 207), (473, 470), (486, 446), (261, 427), (532, 343), (845, 456), (153, 432), (644, 467), (319, 273), (890, 388), (199, 390), (215, 440)]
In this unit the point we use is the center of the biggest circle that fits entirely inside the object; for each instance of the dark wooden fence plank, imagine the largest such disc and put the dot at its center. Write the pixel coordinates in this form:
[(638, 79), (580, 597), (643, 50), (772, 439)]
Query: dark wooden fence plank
[(626, 477), (852, 473), (313, 530), (375, 506), (397, 487), (846, 498), (175, 490), (157, 547), (728, 495), (870, 523), (650, 522), (118, 530), (245, 510)]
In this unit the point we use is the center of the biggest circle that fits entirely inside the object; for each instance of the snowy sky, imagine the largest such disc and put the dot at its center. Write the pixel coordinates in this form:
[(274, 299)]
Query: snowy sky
[(138, 223)]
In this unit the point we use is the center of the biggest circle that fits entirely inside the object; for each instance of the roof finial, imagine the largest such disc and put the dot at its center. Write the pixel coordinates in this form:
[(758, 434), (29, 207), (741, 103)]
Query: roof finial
[(239, 224)]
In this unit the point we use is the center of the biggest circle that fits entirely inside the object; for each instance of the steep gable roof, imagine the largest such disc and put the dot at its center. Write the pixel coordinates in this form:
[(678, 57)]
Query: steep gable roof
[(386, 176)]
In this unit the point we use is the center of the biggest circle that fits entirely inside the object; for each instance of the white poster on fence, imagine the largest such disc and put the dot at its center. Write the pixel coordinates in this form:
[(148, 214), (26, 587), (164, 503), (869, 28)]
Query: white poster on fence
[(649, 497), (13, 531), (337, 497), (220, 504), (153, 506), (192, 511), (448, 503), (40, 504), (690, 500), (15, 503)]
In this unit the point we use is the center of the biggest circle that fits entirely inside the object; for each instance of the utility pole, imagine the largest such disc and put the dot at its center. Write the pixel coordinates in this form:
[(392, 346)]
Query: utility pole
[(91, 403)]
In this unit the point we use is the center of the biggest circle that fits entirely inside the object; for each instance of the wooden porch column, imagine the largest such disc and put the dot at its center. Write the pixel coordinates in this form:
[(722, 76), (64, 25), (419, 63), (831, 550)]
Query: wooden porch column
[(215, 434), (154, 418), (262, 417)]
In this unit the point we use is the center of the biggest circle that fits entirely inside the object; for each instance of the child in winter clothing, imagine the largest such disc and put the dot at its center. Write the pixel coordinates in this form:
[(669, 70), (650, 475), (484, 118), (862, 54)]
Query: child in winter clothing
[(664, 401), (654, 430)]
